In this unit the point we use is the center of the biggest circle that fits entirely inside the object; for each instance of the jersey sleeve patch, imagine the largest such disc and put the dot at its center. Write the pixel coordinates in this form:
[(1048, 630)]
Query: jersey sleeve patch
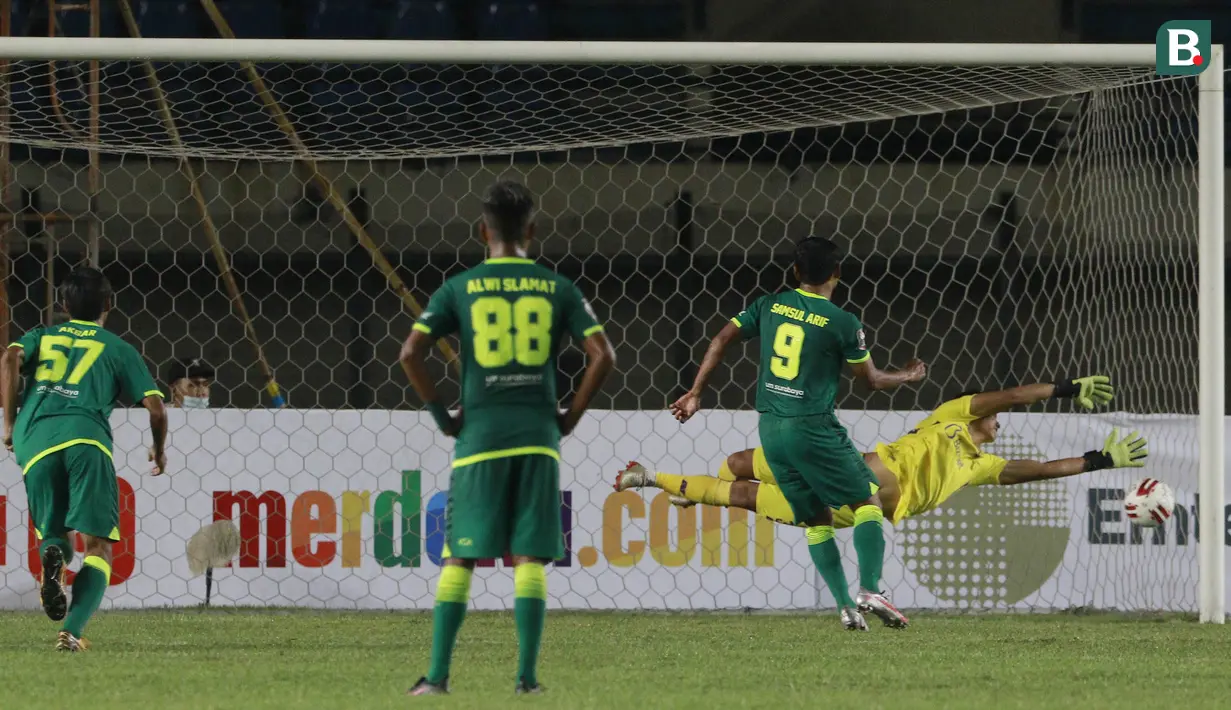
[(749, 320), (579, 316), (855, 345), (439, 319)]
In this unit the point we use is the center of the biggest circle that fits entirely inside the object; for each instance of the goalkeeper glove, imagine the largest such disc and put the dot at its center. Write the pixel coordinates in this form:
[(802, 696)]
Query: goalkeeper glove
[(1129, 452), (1088, 391)]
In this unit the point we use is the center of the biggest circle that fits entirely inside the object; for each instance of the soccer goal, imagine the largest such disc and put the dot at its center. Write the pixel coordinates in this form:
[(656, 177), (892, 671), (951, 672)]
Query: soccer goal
[(281, 209)]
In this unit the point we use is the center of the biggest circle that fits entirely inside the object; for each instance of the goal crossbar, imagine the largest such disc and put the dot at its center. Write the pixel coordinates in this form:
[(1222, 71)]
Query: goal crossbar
[(487, 52)]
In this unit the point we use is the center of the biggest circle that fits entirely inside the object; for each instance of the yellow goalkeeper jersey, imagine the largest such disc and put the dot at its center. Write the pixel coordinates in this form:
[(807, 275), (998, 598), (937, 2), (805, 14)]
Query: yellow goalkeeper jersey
[(937, 459)]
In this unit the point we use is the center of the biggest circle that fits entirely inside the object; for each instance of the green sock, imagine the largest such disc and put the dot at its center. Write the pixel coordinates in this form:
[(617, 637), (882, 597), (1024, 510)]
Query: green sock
[(452, 597), (824, 551), (88, 589), (65, 549), (530, 612), (870, 546)]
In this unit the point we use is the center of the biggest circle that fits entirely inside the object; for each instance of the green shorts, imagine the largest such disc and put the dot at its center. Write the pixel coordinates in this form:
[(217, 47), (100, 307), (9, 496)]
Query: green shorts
[(505, 506), (816, 464), (74, 489)]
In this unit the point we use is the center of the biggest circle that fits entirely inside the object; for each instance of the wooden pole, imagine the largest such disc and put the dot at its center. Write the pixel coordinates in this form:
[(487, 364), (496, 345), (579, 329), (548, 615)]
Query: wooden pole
[(337, 201), (220, 255)]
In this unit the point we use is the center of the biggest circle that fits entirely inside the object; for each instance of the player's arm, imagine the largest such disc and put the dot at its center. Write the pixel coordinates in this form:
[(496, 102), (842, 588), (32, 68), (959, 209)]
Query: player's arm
[(414, 363), (10, 378), (877, 379), (690, 403), (600, 361), (158, 431), (1088, 391), (855, 350), (139, 387), (583, 324), (437, 321), (1129, 452)]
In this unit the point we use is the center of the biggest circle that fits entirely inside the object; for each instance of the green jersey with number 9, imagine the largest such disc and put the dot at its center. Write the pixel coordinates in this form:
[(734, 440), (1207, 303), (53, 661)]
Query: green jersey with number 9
[(74, 373), (510, 316), (806, 342)]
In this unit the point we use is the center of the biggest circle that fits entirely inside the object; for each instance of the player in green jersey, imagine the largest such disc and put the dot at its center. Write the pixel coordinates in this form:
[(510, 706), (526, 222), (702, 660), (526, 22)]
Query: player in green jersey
[(61, 436), (510, 316), (806, 342)]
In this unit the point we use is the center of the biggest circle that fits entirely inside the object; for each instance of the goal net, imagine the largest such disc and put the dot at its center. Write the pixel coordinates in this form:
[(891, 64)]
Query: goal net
[(1006, 224)]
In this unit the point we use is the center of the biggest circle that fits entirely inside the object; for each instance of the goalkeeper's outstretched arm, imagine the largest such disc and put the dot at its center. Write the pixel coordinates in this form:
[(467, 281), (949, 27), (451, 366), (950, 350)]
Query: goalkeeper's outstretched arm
[(1088, 391), (1129, 452)]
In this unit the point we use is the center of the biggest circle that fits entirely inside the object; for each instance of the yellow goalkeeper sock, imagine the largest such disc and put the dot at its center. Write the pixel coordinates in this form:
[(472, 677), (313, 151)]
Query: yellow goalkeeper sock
[(706, 490), (724, 472)]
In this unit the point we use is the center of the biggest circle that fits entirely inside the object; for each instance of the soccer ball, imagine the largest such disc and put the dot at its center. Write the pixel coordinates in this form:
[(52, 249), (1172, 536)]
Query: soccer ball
[(1149, 502)]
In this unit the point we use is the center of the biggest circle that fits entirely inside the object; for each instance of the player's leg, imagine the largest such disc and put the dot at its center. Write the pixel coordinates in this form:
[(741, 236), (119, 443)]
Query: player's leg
[(869, 539), (47, 493), (811, 444), (743, 465), (847, 479), (721, 490), (788, 451), (823, 549), (537, 538), (89, 588), (476, 527), (452, 598), (94, 512), (690, 490)]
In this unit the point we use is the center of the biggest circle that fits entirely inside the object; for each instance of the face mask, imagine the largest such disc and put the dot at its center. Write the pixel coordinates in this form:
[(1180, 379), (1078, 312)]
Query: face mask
[(196, 403)]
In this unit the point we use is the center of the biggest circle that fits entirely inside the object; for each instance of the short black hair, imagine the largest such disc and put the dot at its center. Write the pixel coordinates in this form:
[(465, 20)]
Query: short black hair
[(189, 368), (85, 293), (508, 207), (817, 260)]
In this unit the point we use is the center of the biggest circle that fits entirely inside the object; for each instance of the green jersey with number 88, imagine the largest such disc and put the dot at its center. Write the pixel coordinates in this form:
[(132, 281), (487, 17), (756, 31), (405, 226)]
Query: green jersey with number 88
[(74, 373), (510, 316), (806, 342)]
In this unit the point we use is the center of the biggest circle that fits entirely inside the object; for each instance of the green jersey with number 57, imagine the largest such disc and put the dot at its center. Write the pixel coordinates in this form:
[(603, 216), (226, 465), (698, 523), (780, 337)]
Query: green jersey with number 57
[(806, 342), (74, 373), (510, 316)]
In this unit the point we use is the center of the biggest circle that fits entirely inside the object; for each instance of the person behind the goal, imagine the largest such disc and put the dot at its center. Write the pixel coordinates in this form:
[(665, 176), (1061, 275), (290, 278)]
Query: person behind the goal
[(510, 316), (61, 436), (921, 469), (806, 341)]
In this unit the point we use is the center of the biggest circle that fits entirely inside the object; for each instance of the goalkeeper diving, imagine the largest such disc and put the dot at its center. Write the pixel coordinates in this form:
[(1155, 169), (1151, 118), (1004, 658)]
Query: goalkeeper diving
[(921, 469)]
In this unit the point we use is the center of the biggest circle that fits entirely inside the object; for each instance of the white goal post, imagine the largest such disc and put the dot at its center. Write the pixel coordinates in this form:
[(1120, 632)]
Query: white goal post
[(1051, 59)]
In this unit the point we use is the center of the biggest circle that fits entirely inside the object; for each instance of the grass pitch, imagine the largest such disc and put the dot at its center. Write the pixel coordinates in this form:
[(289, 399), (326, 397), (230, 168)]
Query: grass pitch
[(301, 659)]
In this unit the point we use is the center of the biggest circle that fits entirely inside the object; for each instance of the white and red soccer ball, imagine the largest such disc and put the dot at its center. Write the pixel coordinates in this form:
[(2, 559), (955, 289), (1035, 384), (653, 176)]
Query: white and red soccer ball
[(1149, 502)]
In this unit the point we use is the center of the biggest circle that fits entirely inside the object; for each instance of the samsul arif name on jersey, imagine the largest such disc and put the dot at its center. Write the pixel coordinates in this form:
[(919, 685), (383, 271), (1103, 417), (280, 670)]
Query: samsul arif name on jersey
[(800, 315), (325, 529)]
